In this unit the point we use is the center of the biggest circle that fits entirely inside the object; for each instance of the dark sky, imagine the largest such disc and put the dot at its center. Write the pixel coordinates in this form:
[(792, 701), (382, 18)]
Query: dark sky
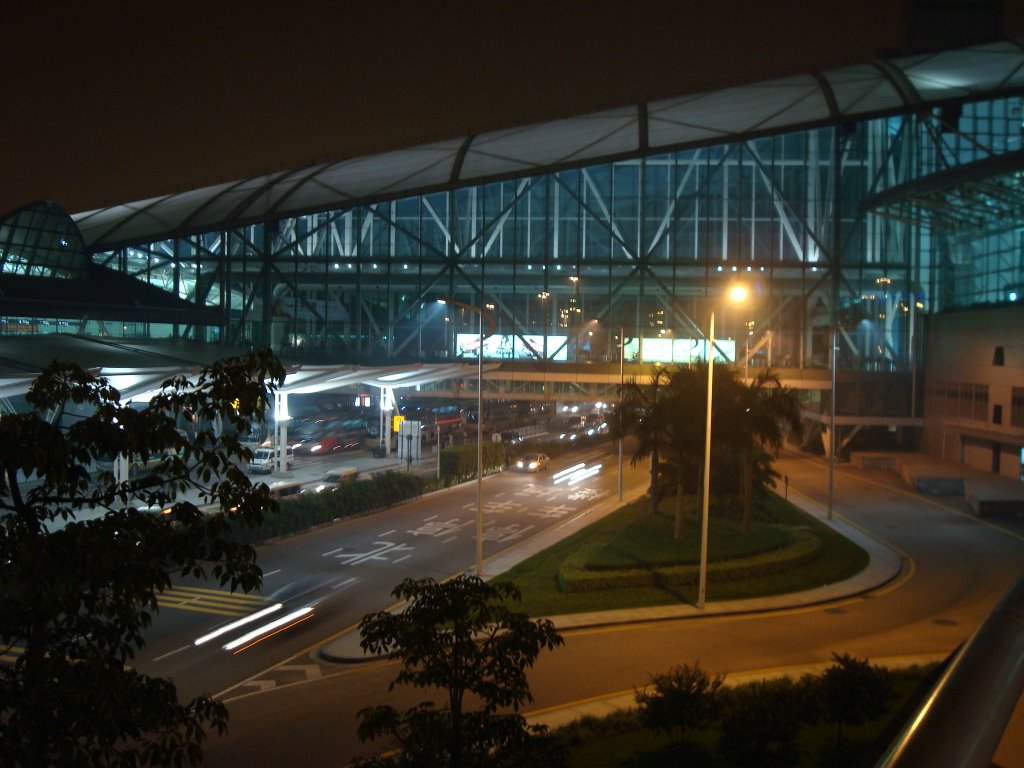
[(112, 102)]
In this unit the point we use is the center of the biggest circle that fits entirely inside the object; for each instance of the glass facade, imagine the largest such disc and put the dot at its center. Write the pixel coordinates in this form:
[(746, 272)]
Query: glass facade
[(848, 227)]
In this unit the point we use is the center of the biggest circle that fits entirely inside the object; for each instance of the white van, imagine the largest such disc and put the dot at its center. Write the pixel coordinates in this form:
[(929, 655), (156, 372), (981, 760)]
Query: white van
[(263, 460)]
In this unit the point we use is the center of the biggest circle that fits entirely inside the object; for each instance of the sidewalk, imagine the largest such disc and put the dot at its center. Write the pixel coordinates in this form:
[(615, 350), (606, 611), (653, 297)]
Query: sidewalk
[(884, 566)]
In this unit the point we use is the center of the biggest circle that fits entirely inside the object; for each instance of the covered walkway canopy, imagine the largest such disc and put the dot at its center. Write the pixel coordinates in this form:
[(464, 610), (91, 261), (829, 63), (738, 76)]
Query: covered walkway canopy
[(847, 94)]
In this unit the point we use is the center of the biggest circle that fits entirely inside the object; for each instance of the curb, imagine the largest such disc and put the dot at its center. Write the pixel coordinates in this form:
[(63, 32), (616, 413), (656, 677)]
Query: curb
[(885, 565)]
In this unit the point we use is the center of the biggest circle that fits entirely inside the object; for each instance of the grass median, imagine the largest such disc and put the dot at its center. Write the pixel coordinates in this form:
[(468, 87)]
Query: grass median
[(630, 559)]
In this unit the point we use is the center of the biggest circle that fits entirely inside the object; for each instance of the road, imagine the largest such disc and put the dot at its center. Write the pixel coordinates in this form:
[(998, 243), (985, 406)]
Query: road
[(348, 569), (957, 568)]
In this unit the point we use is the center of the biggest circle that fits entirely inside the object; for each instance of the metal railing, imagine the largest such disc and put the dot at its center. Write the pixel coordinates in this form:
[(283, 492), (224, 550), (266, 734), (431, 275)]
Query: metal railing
[(962, 720)]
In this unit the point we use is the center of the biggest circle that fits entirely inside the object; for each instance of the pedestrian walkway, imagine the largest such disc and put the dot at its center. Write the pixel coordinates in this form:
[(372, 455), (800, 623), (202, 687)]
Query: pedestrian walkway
[(986, 493)]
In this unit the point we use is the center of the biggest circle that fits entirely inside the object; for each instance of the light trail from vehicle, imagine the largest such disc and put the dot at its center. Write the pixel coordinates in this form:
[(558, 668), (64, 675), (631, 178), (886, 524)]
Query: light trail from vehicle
[(575, 474), (262, 633), (236, 624), (558, 476)]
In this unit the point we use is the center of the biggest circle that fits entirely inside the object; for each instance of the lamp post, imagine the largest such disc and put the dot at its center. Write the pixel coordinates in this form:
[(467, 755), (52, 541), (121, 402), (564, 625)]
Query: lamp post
[(622, 382), (736, 294), (479, 427)]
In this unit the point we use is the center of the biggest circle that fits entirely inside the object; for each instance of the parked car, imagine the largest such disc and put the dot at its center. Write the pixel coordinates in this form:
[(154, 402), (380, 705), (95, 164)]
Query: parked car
[(263, 460), (532, 462)]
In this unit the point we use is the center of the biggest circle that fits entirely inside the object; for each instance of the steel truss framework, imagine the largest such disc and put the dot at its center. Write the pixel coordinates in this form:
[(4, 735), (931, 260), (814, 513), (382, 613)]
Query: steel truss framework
[(645, 243)]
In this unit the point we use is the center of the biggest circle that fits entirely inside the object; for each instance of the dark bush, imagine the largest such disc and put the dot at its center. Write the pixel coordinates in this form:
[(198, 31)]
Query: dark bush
[(761, 722), (353, 497), (851, 692), (684, 699), (458, 463)]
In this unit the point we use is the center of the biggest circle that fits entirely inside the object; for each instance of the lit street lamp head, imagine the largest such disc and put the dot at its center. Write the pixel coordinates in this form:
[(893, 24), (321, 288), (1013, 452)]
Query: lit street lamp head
[(738, 294)]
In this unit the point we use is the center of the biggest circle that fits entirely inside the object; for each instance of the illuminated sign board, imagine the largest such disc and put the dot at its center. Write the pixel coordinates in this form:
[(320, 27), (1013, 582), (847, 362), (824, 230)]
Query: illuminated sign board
[(650, 350), (511, 347)]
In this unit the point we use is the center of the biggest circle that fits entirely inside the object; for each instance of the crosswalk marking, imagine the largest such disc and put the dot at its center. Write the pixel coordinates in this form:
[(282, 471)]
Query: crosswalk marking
[(202, 600)]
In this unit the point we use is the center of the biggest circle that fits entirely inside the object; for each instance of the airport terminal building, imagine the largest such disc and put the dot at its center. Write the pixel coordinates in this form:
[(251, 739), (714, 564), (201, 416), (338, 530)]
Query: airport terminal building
[(875, 213)]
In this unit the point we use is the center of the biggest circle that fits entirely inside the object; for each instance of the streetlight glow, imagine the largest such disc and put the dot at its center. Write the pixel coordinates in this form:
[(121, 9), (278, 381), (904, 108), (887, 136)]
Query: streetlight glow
[(738, 293)]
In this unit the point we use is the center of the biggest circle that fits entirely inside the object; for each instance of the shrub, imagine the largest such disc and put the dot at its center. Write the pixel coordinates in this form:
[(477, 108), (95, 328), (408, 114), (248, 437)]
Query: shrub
[(575, 576), (852, 692), (685, 698), (353, 497), (458, 463), (761, 722)]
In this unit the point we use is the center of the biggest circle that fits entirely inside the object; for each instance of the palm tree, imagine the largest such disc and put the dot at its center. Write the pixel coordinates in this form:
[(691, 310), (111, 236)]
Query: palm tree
[(754, 423), (640, 414), (684, 396)]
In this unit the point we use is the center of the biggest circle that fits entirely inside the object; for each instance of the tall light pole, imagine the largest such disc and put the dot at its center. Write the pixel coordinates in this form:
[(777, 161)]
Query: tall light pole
[(622, 358), (736, 294), (834, 341), (479, 427)]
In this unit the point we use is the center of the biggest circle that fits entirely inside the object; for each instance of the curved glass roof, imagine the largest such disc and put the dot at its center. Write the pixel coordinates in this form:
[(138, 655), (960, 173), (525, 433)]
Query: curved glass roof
[(850, 93), (41, 240)]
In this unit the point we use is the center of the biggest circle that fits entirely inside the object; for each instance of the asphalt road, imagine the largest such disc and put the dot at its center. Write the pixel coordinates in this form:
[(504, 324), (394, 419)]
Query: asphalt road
[(346, 570), (957, 568)]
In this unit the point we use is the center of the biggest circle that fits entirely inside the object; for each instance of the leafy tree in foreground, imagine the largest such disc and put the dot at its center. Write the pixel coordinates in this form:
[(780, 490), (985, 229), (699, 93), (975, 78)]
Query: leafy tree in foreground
[(460, 637), (82, 563), (762, 720), (853, 692), (684, 698)]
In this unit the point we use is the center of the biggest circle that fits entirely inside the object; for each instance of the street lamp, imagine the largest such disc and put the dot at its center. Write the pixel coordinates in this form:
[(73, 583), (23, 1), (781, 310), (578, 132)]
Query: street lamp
[(737, 294), (481, 311), (622, 382)]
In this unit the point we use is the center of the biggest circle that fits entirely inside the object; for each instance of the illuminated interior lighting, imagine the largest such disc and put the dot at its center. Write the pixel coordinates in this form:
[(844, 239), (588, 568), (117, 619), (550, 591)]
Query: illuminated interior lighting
[(236, 624), (267, 628)]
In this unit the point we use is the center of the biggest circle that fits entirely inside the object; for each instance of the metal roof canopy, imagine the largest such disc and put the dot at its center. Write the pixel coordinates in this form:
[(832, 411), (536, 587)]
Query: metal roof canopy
[(850, 93), (138, 383), (987, 195)]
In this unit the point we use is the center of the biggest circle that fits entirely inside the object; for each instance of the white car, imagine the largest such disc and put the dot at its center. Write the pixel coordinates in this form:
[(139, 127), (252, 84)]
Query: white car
[(532, 462), (263, 460)]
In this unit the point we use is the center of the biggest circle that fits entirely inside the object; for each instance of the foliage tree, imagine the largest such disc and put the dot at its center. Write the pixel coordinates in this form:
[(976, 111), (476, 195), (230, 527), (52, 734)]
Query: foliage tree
[(761, 722), (666, 417), (685, 699), (461, 638), (852, 691), (685, 394), (753, 422), (640, 413), (82, 561)]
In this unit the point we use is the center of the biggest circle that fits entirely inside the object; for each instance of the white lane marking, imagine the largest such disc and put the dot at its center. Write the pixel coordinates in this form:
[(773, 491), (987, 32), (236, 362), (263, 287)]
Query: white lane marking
[(179, 650)]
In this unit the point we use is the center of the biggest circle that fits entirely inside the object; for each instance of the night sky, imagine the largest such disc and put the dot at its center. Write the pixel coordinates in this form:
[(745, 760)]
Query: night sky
[(113, 102)]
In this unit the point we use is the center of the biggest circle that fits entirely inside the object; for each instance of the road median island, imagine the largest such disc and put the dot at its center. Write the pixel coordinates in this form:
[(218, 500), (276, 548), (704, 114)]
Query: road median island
[(575, 575), (629, 559)]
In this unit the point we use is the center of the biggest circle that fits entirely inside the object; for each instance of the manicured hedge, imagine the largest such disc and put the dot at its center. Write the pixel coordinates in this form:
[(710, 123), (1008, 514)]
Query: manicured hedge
[(574, 576), (458, 463), (353, 497)]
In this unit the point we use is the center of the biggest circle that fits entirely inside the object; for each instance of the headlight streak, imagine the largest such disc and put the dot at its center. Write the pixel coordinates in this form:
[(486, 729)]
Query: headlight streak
[(575, 474), (236, 624), (583, 474), (563, 474), (267, 630)]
